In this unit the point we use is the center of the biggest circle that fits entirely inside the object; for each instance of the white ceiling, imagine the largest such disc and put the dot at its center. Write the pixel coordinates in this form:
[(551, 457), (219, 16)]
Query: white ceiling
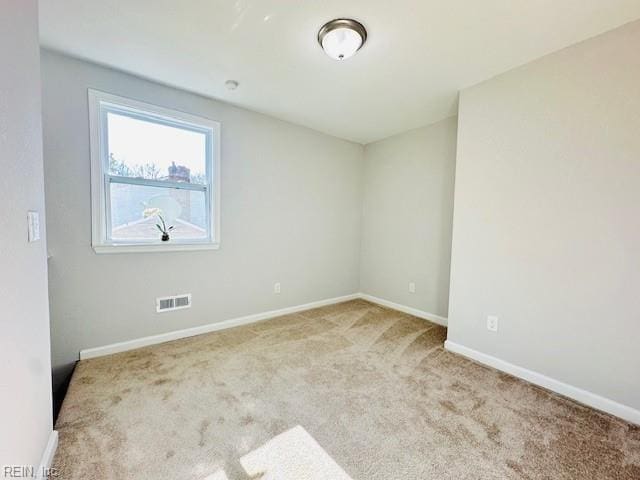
[(419, 54)]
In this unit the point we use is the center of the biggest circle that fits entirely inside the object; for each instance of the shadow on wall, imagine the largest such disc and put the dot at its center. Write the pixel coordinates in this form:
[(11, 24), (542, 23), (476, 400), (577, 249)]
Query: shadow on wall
[(60, 380)]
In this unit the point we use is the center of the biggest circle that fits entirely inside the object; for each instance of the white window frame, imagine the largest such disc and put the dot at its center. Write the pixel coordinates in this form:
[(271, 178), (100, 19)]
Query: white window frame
[(99, 104)]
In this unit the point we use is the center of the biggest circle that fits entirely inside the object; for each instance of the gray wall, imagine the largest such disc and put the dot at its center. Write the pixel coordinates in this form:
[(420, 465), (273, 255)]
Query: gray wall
[(25, 378), (547, 222), (407, 214), (291, 210)]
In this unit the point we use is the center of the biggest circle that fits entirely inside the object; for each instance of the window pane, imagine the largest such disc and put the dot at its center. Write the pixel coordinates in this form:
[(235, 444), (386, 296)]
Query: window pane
[(185, 210), (145, 149)]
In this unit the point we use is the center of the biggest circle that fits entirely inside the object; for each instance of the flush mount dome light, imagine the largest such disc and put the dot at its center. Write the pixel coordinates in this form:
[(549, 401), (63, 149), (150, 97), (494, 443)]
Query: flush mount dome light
[(342, 37)]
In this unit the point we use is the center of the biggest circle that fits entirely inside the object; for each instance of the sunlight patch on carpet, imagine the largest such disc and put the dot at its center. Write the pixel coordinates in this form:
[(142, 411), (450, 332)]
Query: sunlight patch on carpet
[(292, 455)]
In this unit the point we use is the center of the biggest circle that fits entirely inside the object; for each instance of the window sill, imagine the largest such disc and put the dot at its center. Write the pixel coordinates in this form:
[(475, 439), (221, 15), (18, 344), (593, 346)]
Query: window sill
[(150, 248)]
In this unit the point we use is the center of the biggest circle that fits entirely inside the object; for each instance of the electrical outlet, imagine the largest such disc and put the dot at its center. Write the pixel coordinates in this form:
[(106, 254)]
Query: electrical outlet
[(412, 287), (492, 323), (276, 288)]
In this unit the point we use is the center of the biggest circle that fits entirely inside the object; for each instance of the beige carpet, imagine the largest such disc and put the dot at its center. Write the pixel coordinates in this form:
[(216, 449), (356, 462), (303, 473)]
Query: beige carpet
[(373, 387)]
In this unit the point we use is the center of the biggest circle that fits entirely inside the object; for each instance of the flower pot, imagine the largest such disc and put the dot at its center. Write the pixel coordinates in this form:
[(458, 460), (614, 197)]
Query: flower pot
[(165, 237)]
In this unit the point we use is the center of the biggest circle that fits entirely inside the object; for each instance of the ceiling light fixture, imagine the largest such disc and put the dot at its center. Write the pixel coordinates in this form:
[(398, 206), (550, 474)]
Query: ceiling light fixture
[(342, 38)]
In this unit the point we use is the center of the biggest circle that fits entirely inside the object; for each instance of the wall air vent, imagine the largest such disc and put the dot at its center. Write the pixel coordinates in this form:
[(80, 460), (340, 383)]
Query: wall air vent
[(176, 302)]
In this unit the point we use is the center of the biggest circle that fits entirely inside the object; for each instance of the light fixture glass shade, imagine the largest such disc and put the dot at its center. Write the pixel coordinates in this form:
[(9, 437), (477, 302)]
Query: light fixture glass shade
[(341, 43), (341, 38)]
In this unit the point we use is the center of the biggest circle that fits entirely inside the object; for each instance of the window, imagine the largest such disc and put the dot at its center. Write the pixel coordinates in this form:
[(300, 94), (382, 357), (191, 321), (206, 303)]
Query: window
[(155, 177)]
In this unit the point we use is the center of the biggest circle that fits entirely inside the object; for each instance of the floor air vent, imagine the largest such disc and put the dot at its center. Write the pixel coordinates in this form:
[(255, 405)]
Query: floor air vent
[(177, 302)]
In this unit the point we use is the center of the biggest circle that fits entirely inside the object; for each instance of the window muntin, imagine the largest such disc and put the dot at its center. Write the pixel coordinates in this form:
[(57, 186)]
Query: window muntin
[(152, 160)]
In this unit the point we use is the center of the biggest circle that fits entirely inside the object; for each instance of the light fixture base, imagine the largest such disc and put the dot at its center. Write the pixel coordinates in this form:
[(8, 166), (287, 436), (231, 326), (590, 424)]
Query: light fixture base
[(332, 46)]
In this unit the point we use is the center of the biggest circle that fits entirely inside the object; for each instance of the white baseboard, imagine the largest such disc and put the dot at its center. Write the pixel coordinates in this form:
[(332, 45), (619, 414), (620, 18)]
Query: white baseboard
[(236, 322), (587, 398), (211, 327), (403, 308), (47, 456), (582, 396)]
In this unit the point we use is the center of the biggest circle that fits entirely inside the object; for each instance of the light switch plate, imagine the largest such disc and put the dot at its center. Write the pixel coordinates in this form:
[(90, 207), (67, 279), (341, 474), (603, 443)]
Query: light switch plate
[(33, 221)]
